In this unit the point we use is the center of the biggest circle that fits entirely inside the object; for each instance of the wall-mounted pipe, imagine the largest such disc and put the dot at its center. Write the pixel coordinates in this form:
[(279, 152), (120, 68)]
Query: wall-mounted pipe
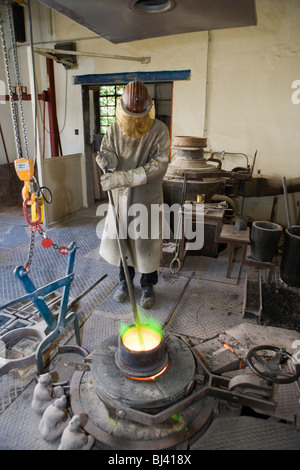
[(206, 83), (57, 41), (267, 186), (43, 51)]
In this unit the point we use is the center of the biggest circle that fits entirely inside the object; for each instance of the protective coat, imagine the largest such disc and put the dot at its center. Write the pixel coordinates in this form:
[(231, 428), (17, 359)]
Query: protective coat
[(141, 164)]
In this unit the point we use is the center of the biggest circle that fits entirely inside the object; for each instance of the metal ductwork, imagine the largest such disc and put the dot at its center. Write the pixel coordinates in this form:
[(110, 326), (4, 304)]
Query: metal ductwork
[(124, 21)]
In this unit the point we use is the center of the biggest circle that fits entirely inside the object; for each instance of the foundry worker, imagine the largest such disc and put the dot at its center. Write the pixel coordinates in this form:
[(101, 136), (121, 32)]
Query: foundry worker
[(134, 154)]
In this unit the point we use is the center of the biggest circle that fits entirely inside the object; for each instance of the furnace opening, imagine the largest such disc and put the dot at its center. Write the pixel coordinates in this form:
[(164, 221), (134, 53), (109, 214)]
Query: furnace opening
[(151, 338), (142, 360)]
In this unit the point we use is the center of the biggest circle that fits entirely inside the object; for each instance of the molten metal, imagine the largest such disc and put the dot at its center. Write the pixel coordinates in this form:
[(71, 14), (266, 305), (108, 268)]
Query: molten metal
[(131, 340), (152, 377)]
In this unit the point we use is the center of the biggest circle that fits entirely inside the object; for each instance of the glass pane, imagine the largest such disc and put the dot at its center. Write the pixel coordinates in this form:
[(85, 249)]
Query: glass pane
[(103, 101), (111, 111), (111, 100), (107, 90), (103, 112), (103, 121), (102, 90), (108, 111), (120, 89)]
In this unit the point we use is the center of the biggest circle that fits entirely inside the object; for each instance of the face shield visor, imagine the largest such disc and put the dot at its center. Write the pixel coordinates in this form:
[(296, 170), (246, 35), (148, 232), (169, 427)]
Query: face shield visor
[(135, 111)]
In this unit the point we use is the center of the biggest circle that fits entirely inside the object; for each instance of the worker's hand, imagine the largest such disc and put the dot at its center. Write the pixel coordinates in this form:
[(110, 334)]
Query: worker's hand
[(109, 181), (121, 179), (101, 160)]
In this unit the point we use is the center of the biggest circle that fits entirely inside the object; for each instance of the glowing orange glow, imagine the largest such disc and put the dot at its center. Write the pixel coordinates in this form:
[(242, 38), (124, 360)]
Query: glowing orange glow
[(153, 377), (228, 347), (151, 339)]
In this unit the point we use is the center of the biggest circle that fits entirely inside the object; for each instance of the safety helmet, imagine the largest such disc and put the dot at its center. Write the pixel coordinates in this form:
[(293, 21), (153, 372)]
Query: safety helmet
[(136, 100)]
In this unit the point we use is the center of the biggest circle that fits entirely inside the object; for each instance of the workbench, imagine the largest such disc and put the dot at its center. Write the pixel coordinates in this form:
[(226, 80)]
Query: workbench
[(241, 238), (234, 238)]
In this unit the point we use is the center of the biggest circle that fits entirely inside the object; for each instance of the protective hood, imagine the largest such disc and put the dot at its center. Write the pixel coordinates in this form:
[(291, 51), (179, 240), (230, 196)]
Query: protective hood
[(132, 126)]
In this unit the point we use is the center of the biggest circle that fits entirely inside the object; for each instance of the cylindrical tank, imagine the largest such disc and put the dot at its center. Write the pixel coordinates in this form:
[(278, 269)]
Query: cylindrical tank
[(290, 262), (264, 240)]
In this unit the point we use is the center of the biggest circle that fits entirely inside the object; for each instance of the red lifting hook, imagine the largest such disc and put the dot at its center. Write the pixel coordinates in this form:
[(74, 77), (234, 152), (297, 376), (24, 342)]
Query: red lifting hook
[(33, 223)]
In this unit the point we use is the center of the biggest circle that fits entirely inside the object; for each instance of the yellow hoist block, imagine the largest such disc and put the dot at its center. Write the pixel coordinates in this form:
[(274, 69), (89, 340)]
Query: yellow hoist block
[(25, 170)]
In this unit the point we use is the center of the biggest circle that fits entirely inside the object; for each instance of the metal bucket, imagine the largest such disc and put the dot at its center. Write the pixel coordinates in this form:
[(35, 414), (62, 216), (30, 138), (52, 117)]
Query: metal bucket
[(264, 240), (290, 262)]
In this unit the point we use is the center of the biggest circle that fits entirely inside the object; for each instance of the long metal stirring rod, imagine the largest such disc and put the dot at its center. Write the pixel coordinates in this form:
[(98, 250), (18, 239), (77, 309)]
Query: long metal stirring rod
[(286, 201), (178, 301), (126, 271)]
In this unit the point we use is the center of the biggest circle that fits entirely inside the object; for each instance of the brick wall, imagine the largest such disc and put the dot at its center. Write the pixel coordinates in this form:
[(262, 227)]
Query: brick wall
[(10, 185)]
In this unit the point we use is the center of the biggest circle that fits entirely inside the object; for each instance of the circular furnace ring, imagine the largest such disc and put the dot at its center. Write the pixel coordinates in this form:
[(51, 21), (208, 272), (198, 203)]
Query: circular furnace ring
[(111, 428), (171, 386)]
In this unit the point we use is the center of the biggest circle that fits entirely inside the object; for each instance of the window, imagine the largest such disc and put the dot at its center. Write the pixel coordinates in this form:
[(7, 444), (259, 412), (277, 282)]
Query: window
[(108, 95)]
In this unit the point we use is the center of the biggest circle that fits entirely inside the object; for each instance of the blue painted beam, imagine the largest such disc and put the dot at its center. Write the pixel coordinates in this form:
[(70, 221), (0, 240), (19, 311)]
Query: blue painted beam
[(120, 78)]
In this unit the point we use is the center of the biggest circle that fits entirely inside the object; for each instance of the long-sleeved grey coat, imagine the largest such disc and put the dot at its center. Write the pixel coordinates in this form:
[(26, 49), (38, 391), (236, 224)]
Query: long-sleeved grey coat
[(142, 163)]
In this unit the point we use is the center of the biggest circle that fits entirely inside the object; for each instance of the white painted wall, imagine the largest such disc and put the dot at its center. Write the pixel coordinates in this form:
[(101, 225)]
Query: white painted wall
[(247, 105), (250, 89)]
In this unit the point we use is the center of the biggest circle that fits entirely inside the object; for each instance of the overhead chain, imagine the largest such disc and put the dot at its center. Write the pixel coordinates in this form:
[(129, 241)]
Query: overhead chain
[(46, 243), (16, 67), (11, 99), (31, 247)]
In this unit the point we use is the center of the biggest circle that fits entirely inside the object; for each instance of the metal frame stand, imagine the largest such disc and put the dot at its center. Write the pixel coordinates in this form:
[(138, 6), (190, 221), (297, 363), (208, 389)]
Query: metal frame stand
[(57, 326)]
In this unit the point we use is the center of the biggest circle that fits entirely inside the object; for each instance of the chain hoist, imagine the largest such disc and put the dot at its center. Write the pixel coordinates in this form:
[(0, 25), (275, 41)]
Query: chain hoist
[(25, 166)]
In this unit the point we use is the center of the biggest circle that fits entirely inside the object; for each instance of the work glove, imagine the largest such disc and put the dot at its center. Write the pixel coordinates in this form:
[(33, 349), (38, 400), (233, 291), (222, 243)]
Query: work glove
[(101, 160), (122, 179)]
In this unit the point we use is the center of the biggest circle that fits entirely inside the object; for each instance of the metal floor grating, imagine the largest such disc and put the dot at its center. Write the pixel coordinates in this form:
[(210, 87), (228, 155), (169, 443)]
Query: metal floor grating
[(248, 433), (210, 305)]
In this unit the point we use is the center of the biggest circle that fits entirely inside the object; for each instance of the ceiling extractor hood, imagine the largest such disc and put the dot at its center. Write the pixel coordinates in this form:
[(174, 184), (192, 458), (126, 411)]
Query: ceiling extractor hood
[(131, 20)]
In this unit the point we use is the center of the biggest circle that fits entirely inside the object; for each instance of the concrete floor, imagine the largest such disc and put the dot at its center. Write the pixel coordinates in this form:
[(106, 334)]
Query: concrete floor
[(210, 309)]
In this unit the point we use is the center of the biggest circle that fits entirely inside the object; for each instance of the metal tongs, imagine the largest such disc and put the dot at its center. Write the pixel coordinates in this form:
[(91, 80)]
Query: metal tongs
[(176, 258)]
